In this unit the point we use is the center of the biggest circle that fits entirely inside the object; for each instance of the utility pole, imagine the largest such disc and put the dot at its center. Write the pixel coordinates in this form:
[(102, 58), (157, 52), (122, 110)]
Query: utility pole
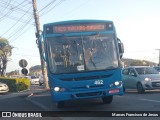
[(38, 33), (159, 57)]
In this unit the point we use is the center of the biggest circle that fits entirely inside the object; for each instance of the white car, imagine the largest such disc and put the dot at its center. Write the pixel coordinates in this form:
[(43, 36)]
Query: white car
[(141, 78), (34, 80), (3, 88)]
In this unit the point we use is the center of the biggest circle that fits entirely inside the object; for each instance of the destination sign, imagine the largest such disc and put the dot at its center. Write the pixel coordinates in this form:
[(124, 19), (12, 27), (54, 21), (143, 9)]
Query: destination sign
[(90, 27), (77, 28)]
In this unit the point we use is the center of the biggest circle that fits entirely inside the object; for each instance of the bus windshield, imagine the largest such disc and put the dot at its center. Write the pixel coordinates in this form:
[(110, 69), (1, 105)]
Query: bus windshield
[(81, 53)]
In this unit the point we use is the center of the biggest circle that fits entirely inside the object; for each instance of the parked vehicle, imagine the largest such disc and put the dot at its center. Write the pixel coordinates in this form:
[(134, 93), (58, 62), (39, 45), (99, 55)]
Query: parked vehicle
[(29, 77), (41, 80), (141, 78), (34, 80), (157, 68), (3, 88)]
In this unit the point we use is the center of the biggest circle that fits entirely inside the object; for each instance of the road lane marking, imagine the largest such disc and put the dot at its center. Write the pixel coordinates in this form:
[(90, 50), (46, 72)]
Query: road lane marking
[(150, 100), (30, 95)]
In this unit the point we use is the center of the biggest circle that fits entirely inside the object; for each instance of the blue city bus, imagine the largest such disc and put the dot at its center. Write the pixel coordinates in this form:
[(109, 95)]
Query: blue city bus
[(83, 60)]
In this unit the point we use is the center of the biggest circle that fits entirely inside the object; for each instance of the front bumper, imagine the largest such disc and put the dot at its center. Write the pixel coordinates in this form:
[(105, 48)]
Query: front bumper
[(63, 96), (152, 85)]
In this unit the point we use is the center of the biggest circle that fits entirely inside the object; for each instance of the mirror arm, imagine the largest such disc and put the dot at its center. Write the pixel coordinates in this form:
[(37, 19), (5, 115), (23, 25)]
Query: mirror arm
[(42, 49)]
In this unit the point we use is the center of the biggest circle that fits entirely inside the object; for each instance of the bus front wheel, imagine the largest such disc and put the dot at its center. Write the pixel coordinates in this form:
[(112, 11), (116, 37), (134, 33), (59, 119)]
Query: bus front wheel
[(107, 99)]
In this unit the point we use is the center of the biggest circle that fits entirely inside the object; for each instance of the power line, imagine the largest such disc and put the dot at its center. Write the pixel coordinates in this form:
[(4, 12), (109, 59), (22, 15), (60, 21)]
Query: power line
[(13, 9), (16, 22), (20, 35), (6, 5), (16, 8), (19, 30), (46, 11), (47, 5), (18, 5), (5, 15), (15, 19)]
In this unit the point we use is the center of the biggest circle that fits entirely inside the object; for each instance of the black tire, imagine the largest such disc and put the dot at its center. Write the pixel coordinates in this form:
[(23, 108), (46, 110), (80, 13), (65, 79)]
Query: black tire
[(60, 104), (52, 106), (140, 88), (124, 89), (107, 99)]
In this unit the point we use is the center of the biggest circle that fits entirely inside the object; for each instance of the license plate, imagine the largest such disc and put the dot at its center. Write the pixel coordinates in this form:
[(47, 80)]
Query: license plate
[(113, 91)]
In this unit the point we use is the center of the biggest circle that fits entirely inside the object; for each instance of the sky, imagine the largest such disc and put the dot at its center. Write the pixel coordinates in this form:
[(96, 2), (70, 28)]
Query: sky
[(137, 24)]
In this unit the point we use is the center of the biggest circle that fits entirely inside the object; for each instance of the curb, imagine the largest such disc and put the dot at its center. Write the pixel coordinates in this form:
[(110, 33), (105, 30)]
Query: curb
[(24, 93)]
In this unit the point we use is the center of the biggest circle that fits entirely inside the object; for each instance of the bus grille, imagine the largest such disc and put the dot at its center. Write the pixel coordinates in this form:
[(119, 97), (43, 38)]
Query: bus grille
[(85, 88), (89, 94), (86, 78)]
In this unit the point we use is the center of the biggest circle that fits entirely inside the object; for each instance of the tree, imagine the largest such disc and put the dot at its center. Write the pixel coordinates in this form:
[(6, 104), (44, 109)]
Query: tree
[(139, 63), (5, 53)]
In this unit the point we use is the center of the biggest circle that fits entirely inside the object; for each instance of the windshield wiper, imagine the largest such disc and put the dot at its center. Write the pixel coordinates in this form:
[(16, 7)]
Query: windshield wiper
[(90, 53), (83, 52), (90, 57), (92, 50)]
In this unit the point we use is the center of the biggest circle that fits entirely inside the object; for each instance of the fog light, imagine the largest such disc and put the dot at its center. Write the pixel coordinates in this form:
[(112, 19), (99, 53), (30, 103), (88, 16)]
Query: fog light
[(56, 89), (117, 83), (62, 89), (111, 85)]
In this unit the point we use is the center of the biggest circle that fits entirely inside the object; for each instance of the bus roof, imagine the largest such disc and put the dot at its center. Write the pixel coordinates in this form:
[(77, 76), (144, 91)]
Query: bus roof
[(77, 21)]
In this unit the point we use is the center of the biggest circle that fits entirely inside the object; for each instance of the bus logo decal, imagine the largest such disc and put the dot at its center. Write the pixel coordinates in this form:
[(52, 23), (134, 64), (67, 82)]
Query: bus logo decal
[(87, 86)]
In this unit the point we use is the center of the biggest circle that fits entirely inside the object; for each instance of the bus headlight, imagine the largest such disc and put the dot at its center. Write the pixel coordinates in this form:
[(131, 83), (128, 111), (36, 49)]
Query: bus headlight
[(117, 83), (57, 89)]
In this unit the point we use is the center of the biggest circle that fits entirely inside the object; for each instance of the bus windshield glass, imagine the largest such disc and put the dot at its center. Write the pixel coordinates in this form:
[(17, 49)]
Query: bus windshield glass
[(81, 53)]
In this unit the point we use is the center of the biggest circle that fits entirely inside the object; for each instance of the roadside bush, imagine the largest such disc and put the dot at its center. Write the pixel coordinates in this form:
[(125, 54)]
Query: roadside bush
[(21, 86), (16, 84)]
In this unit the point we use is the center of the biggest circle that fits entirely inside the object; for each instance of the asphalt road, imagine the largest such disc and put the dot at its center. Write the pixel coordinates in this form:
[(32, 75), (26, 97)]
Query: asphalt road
[(130, 101), (16, 104), (38, 100), (16, 101)]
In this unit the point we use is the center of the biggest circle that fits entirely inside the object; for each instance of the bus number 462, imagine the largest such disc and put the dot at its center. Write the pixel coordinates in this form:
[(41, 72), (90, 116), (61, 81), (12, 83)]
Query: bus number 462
[(98, 82)]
